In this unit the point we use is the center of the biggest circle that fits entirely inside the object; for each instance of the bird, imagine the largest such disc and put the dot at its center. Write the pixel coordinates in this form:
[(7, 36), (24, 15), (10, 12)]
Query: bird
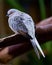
[(22, 23)]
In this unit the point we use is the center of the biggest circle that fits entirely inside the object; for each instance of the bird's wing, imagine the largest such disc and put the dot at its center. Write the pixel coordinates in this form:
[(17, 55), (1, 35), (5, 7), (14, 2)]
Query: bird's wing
[(20, 26), (18, 21), (29, 23), (39, 48), (31, 27)]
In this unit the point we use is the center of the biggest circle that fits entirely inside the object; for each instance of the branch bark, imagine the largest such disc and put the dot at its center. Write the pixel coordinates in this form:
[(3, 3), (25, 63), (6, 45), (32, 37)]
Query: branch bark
[(16, 45)]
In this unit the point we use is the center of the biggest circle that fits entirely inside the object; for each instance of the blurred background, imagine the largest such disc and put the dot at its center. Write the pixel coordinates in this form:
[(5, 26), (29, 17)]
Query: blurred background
[(39, 10)]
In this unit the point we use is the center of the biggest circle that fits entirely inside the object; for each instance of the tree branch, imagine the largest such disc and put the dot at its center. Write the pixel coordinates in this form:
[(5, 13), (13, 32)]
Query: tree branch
[(16, 44)]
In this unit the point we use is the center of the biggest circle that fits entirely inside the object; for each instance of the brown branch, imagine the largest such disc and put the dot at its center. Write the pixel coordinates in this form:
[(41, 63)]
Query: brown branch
[(12, 40), (16, 45), (13, 46), (11, 52)]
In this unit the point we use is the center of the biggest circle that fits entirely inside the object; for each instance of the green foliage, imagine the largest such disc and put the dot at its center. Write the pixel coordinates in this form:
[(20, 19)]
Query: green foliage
[(15, 4), (42, 9), (51, 6)]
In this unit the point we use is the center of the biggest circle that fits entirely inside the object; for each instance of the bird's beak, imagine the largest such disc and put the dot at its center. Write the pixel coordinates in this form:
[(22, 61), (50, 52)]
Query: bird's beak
[(7, 15)]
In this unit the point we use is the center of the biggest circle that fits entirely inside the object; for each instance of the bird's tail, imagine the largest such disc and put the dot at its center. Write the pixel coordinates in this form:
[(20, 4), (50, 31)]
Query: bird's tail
[(37, 48)]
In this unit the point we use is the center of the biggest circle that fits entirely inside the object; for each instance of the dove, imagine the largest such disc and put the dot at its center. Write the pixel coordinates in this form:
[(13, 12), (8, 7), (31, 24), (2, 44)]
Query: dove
[(22, 23)]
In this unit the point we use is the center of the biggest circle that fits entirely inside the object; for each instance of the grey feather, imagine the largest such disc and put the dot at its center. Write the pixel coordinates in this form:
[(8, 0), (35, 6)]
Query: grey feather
[(20, 21), (17, 24)]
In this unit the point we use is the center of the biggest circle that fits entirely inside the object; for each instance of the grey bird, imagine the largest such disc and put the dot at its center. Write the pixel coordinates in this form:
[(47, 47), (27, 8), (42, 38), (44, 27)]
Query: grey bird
[(22, 23)]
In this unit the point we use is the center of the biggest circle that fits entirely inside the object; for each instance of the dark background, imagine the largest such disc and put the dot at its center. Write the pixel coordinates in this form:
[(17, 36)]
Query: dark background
[(39, 10)]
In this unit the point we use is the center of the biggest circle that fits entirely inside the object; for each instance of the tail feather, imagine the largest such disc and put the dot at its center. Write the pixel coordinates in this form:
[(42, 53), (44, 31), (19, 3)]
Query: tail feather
[(35, 49), (37, 52), (38, 46)]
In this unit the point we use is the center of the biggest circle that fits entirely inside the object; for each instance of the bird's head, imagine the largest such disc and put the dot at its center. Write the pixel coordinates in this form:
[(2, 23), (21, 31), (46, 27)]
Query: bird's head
[(11, 11)]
